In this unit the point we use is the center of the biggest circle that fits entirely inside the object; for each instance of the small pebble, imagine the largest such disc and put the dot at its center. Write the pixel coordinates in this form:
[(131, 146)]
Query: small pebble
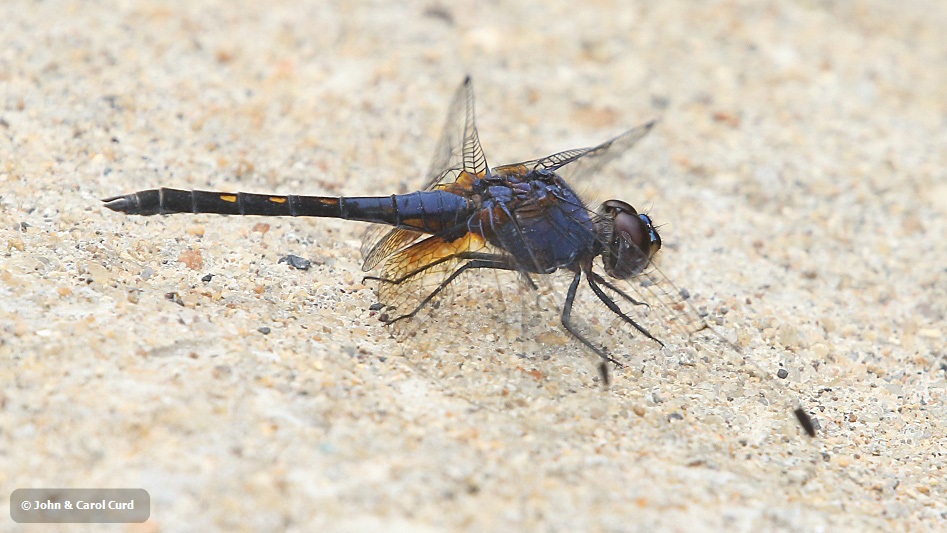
[(296, 262), (782, 373), (264, 330), (192, 259)]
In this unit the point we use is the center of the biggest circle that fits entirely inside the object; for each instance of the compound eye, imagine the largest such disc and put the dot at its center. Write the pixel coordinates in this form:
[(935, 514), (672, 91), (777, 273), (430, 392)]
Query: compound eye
[(633, 241)]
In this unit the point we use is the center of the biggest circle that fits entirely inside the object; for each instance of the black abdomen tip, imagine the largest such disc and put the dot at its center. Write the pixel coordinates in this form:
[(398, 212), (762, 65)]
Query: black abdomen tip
[(123, 204), (140, 203)]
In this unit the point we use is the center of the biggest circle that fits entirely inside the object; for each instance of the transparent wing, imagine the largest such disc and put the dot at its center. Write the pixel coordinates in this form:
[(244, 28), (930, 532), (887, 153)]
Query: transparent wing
[(412, 273), (380, 241), (458, 152), (576, 164), (458, 137)]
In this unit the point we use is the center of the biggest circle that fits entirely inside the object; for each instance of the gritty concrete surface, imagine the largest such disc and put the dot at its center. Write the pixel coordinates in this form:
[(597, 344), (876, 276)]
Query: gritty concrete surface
[(798, 173)]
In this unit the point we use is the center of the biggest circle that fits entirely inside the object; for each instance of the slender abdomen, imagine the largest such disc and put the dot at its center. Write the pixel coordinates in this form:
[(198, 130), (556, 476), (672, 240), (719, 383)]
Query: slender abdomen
[(426, 211)]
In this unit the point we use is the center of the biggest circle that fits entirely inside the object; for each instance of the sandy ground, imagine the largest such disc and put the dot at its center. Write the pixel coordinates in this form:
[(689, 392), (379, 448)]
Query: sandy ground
[(798, 173)]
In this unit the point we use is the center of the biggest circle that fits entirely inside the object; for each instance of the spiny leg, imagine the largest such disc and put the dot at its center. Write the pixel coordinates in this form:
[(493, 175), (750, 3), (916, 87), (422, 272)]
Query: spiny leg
[(566, 321), (617, 310), (495, 262), (602, 281), (463, 256)]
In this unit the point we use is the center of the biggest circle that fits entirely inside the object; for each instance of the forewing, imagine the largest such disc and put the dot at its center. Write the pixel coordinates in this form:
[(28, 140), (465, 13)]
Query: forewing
[(576, 164), (459, 145), (457, 149), (449, 152)]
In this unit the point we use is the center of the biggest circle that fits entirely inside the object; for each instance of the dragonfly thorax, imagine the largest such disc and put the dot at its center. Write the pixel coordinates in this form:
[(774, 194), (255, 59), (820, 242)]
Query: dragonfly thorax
[(535, 218), (629, 240)]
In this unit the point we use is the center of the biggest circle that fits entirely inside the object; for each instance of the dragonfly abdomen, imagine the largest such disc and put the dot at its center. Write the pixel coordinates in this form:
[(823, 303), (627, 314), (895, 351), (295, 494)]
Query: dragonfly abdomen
[(427, 211)]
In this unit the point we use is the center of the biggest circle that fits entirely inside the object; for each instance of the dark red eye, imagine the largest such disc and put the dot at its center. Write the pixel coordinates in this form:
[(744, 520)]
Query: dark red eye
[(630, 239)]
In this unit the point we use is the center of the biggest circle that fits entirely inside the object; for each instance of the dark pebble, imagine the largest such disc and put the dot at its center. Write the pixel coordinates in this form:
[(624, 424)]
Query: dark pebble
[(296, 262), (782, 373)]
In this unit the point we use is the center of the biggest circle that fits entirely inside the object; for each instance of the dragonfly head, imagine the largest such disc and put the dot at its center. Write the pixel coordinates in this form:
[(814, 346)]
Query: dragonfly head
[(629, 239)]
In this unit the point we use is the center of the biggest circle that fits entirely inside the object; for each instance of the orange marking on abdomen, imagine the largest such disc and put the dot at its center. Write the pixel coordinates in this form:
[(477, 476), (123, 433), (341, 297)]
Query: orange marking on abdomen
[(277, 199), (228, 198)]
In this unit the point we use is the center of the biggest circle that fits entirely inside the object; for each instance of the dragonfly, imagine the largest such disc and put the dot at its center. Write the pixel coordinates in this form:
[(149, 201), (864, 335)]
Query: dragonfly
[(523, 218)]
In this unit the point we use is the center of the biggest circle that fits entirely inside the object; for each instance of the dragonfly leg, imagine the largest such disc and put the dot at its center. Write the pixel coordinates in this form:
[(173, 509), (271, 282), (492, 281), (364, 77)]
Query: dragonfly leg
[(419, 270), (617, 310), (491, 261), (570, 327), (602, 281)]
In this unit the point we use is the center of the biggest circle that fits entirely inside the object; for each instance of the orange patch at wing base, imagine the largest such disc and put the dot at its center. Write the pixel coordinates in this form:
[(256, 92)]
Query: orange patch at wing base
[(392, 241), (462, 185), (413, 260)]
